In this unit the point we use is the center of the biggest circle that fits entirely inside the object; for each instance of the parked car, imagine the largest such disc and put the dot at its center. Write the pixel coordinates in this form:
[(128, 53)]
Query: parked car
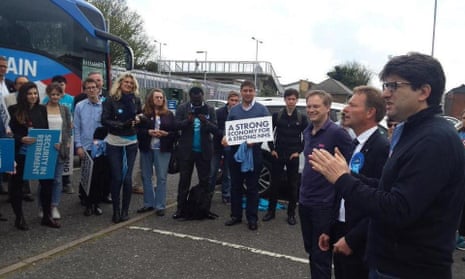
[(216, 104)]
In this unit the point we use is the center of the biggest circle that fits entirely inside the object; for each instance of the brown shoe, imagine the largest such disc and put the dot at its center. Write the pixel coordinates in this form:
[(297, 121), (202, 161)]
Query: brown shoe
[(138, 190)]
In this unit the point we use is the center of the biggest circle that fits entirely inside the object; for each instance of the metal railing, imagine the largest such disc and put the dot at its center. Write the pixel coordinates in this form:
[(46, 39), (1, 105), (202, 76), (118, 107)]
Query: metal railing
[(220, 67)]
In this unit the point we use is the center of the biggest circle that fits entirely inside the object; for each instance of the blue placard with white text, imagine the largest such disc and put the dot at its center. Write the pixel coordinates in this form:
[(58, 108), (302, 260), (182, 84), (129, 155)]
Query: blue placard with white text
[(41, 156), (7, 155)]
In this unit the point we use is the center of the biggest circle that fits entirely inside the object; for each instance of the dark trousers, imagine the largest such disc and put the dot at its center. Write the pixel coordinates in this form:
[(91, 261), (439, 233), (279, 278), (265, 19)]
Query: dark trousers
[(15, 190), (100, 179), (119, 177), (250, 179), (277, 172), (186, 166), (462, 223), (315, 220), (15, 186), (347, 267)]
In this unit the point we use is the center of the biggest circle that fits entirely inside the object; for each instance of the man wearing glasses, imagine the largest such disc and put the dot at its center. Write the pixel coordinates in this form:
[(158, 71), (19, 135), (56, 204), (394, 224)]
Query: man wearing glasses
[(415, 210), (87, 118)]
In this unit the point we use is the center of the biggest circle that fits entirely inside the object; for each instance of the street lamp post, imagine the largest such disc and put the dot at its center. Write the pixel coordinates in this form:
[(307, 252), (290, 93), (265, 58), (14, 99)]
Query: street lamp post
[(434, 26), (159, 52), (205, 65), (257, 41)]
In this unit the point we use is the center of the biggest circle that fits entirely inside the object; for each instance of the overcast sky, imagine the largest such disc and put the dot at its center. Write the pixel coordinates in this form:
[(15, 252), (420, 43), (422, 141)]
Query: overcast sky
[(304, 39)]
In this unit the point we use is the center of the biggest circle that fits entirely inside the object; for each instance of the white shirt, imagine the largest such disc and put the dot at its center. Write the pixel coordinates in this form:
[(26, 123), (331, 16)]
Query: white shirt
[(3, 89), (362, 138)]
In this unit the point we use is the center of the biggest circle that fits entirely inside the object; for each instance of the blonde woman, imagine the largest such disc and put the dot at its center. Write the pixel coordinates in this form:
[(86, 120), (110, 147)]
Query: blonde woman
[(119, 116)]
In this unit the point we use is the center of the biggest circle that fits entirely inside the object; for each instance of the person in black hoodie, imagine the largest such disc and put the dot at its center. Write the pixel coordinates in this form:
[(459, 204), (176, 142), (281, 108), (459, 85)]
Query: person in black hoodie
[(119, 117), (415, 211)]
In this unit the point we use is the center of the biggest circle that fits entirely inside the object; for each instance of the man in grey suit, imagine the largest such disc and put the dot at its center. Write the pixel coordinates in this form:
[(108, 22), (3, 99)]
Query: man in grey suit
[(197, 123)]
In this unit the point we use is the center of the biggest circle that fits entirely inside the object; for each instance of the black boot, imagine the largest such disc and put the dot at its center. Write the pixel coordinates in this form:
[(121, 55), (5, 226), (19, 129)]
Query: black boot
[(20, 223), (48, 221), (116, 216), (268, 216), (124, 215)]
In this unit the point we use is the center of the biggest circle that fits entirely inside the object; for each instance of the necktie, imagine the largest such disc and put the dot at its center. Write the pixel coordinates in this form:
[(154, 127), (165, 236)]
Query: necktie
[(355, 142), (396, 136)]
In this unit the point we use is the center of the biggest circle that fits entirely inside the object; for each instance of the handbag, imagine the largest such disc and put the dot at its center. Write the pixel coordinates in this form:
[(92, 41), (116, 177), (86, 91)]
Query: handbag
[(173, 165)]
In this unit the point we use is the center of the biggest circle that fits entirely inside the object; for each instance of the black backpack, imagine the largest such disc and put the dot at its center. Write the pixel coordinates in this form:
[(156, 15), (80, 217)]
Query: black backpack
[(197, 206)]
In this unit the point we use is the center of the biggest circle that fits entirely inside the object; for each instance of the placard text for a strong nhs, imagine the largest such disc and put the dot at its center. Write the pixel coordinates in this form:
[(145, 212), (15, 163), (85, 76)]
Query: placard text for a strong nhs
[(259, 129)]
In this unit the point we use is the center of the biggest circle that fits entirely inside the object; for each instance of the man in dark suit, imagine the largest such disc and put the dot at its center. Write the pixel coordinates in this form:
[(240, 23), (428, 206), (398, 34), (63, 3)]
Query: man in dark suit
[(197, 123), (365, 109)]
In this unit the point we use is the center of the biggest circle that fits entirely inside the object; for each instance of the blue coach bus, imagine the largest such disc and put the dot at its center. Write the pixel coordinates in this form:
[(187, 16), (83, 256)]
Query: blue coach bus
[(43, 38)]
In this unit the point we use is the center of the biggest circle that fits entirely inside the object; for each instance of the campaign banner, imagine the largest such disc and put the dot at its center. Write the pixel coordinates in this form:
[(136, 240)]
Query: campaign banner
[(68, 165), (251, 130), (87, 167), (41, 156), (7, 155)]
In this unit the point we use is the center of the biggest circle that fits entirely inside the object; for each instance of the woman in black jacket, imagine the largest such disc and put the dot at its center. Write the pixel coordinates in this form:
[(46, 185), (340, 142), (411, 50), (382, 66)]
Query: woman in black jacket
[(119, 116), (26, 114), (156, 136)]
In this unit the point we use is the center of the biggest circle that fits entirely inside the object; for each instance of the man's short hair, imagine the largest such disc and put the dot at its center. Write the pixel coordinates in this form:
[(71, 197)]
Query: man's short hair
[(418, 69), (59, 79), (233, 94), (374, 99), (325, 96), (86, 81), (291, 91), (3, 58), (195, 91), (247, 83)]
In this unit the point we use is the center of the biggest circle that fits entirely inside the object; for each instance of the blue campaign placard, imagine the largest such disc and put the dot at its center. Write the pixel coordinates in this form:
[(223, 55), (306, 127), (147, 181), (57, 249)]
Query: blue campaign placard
[(41, 156), (7, 155), (172, 104)]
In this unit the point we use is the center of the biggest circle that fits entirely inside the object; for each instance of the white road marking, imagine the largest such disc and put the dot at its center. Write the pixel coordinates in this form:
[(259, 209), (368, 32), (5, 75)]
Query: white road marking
[(222, 243)]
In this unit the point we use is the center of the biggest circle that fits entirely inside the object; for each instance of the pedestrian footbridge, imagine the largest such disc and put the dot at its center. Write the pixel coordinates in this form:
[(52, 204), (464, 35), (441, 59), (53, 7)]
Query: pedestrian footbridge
[(230, 72)]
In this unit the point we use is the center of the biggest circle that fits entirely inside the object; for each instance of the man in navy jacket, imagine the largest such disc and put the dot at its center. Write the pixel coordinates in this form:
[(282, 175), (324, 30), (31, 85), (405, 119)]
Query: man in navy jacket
[(415, 210), (365, 109)]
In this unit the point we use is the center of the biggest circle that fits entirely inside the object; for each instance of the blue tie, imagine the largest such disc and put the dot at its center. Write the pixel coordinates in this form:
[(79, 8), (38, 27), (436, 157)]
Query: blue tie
[(396, 136)]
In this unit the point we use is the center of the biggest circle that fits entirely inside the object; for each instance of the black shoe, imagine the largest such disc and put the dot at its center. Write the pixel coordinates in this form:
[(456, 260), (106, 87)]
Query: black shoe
[(291, 220), (160, 212), (3, 219), (88, 211), (268, 216), (144, 209), (253, 226), (177, 214), (50, 222), (233, 221), (107, 199), (124, 216), (28, 198), (97, 210), (20, 224), (116, 217)]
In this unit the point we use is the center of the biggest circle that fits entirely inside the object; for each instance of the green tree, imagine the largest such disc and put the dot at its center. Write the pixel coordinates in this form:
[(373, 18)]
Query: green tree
[(128, 25), (351, 74)]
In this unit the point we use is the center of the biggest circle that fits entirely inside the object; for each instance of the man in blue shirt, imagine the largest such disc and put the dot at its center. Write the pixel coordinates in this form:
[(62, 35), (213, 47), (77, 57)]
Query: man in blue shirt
[(317, 195), (87, 118), (248, 108)]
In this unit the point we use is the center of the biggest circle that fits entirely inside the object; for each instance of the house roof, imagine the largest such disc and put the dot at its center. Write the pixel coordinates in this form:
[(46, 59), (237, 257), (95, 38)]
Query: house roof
[(333, 87)]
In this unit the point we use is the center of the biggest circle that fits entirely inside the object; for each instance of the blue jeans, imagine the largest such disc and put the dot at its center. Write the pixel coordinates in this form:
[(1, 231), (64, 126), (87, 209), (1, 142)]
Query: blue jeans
[(57, 185), (121, 177), (226, 176), (159, 160), (314, 221)]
